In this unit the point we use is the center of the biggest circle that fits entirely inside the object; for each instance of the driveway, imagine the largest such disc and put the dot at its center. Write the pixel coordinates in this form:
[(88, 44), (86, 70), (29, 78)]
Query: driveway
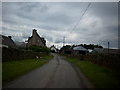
[(57, 73)]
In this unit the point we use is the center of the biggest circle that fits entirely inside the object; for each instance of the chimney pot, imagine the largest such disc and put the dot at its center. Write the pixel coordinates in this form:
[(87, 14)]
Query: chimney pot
[(34, 31), (10, 37)]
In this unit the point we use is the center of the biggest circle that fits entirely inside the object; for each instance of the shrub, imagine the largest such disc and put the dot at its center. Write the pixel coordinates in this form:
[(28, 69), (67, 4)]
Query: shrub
[(39, 49)]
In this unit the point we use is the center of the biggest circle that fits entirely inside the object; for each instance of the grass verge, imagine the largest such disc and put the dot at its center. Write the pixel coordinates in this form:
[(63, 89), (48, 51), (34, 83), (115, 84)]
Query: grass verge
[(100, 77), (14, 69)]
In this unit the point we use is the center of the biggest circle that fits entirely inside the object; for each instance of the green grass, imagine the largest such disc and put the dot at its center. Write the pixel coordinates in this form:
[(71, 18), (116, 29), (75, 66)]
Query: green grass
[(14, 69), (100, 77)]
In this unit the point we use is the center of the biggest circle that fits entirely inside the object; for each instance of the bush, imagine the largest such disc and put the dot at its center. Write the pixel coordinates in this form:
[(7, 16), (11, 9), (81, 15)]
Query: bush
[(39, 49), (11, 54)]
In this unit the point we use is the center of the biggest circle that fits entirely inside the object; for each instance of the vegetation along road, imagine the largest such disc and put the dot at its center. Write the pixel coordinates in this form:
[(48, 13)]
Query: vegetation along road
[(58, 73)]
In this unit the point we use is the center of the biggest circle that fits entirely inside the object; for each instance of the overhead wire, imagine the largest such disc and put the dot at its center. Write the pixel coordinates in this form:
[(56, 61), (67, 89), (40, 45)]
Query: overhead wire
[(81, 17)]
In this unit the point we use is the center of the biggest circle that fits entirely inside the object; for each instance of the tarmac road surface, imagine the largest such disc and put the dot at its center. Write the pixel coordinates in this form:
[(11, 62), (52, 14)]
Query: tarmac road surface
[(57, 73)]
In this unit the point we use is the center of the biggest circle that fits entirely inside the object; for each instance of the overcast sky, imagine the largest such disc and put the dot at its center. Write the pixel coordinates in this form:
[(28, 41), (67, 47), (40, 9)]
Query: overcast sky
[(53, 21)]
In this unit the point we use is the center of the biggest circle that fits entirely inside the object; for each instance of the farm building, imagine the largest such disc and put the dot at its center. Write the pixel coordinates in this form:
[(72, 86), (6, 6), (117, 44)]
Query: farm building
[(79, 50)]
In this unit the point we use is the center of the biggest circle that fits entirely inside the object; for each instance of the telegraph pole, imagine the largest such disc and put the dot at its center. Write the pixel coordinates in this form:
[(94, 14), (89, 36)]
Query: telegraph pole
[(63, 40), (108, 46)]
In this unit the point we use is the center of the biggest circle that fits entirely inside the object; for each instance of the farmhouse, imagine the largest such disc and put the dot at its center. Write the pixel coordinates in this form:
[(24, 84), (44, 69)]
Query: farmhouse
[(35, 39), (53, 49)]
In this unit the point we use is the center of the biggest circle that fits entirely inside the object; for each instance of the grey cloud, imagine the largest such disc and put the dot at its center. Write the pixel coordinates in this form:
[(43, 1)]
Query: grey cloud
[(48, 37), (94, 24), (50, 27), (104, 8), (32, 10), (24, 10), (113, 29), (55, 20), (28, 6), (58, 41), (106, 11)]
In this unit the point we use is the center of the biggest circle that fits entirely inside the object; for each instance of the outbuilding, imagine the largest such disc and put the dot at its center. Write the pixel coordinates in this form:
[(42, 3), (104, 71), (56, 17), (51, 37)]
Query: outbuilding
[(79, 50)]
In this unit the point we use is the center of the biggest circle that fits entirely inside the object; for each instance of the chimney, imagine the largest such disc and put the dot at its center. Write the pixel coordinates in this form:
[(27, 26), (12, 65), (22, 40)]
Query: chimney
[(34, 31), (10, 37)]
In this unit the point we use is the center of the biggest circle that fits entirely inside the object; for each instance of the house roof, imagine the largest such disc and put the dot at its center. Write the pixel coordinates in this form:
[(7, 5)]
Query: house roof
[(7, 41), (80, 48), (30, 38), (53, 48)]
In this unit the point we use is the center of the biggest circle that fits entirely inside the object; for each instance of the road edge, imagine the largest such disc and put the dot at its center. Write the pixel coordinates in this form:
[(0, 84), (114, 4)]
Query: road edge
[(85, 82)]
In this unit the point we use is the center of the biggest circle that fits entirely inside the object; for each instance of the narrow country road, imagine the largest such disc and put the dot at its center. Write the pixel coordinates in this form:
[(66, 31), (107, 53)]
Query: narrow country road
[(57, 73)]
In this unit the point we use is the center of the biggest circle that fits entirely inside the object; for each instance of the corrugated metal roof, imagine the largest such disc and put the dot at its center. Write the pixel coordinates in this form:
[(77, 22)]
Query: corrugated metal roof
[(80, 48)]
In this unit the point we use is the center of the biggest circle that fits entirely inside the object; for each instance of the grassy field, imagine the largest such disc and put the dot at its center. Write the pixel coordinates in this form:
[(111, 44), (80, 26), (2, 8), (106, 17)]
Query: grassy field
[(100, 77), (14, 69)]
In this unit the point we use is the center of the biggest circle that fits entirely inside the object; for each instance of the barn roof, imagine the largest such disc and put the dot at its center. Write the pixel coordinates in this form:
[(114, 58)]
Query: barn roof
[(80, 48)]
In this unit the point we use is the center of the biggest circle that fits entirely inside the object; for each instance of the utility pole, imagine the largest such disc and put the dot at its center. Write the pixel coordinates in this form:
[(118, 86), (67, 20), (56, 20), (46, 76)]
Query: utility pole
[(63, 40), (108, 46)]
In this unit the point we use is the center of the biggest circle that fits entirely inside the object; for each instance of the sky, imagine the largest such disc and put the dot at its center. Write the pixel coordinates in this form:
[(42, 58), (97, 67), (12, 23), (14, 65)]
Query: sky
[(54, 20)]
